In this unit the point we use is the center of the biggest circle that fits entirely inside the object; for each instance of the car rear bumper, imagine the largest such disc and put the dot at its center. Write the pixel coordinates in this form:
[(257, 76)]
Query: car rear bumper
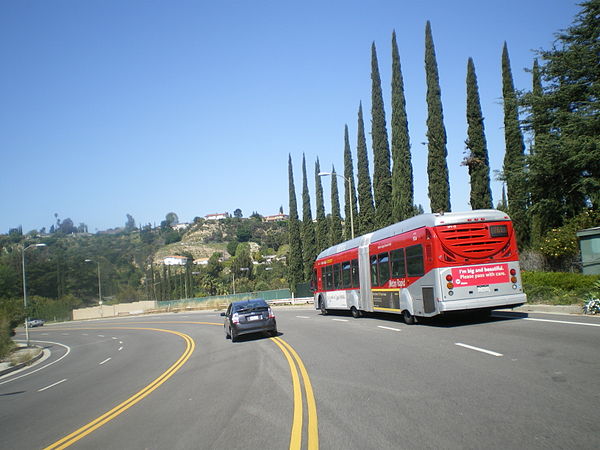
[(254, 327)]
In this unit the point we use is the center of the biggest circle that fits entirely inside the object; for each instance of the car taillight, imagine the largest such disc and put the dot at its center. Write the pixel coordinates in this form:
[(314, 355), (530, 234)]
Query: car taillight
[(271, 315), (235, 318)]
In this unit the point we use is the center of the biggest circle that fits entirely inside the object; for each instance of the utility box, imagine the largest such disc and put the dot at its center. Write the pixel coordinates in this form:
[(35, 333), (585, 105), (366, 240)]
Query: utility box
[(589, 243)]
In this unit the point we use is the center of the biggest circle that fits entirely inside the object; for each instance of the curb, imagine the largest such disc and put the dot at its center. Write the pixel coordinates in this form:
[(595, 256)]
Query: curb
[(23, 364)]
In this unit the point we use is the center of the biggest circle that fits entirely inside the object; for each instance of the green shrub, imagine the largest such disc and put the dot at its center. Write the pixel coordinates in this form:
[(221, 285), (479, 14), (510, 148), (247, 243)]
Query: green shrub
[(557, 288), (6, 343)]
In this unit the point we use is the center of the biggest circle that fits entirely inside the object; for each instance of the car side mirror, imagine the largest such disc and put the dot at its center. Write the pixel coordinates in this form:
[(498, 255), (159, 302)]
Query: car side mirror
[(222, 314)]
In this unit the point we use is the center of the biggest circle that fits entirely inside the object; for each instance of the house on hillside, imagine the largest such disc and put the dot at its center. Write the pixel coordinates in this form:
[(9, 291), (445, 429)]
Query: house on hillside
[(175, 260), (276, 218), (180, 226), (219, 216)]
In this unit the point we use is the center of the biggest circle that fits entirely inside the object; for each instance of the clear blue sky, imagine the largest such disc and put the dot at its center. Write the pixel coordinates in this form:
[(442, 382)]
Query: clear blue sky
[(110, 107)]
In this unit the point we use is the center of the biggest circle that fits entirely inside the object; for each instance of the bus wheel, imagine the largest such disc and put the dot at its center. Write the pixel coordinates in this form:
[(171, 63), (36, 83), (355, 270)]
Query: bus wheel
[(355, 312), (322, 307), (409, 319)]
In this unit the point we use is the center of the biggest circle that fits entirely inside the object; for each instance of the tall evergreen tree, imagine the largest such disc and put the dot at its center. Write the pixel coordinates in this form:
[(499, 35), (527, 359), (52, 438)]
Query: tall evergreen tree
[(309, 243), (295, 262), (477, 160), (565, 119), (335, 231), (514, 158), (382, 178), (402, 171), (322, 229), (437, 167), (366, 222), (349, 192)]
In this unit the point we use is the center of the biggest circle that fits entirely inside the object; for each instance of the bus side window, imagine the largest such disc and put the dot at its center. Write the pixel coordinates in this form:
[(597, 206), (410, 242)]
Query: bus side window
[(383, 260), (398, 270), (346, 275), (374, 280), (337, 278), (414, 261), (328, 283), (355, 277)]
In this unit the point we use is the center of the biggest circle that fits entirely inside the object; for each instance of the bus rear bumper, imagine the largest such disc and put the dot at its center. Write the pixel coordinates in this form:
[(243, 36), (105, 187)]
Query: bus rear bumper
[(501, 301)]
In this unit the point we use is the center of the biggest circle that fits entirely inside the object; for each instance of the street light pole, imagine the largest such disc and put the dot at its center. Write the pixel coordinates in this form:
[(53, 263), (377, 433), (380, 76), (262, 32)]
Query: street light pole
[(25, 289), (99, 287), (322, 174)]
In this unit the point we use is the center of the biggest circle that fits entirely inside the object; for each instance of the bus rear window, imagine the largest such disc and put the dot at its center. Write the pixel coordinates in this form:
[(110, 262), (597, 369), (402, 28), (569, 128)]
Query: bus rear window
[(498, 231)]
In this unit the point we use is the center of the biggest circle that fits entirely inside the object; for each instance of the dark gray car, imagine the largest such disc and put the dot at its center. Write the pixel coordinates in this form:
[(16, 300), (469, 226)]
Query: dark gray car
[(249, 316)]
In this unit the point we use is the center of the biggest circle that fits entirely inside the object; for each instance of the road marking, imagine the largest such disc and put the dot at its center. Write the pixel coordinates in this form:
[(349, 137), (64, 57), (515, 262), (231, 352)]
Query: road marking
[(340, 320), (313, 428), (43, 367), (84, 334), (483, 350), (105, 361), (100, 335), (65, 334), (52, 385), (114, 338), (388, 328), (120, 348), (563, 321), (120, 342), (122, 407), (303, 317)]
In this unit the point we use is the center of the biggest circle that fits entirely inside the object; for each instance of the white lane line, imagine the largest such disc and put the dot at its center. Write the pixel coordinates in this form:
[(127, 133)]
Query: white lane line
[(120, 348), (388, 328), (65, 334), (84, 334), (563, 321), (483, 350), (52, 385), (100, 335), (303, 317), (105, 361), (114, 338), (120, 342), (43, 367), (340, 320)]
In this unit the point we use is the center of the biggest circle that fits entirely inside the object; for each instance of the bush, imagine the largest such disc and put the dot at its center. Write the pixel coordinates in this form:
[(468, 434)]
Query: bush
[(557, 288), (6, 343)]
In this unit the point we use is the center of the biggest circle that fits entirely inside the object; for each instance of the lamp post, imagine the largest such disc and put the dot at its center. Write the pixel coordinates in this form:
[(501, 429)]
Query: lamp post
[(99, 287), (25, 289), (323, 174)]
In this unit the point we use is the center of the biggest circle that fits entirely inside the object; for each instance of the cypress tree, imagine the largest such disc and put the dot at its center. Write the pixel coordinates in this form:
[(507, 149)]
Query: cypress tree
[(322, 231), (477, 160), (514, 158), (335, 232), (437, 167), (309, 244), (295, 262), (382, 178), (351, 214), (402, 172), (366, 222)]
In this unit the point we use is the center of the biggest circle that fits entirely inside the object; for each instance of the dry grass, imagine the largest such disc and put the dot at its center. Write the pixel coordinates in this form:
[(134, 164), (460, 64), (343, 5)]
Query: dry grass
[(23, 355)]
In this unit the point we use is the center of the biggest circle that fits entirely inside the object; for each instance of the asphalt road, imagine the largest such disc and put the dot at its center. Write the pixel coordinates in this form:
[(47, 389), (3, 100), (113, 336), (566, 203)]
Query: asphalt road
[(173, 381)]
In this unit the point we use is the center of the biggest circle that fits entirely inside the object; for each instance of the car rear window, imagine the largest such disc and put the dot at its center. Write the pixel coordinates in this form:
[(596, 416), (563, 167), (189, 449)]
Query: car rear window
[(250, 305)]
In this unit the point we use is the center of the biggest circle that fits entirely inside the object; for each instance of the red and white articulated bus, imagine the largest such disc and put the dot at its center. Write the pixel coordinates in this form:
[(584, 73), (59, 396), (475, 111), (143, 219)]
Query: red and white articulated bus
[(424, 266)]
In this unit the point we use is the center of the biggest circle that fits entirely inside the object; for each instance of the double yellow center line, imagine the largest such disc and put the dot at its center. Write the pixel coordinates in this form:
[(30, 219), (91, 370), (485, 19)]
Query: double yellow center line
[(296, 364), (297, 370), (106, 417)]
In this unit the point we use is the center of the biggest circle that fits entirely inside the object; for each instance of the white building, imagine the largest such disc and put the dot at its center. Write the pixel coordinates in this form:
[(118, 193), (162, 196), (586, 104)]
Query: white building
[(175, 260), (218, 216)]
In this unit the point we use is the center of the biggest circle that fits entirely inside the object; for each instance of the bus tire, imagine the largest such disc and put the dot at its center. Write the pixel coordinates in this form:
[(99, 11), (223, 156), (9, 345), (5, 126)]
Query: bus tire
[(409, 319), (322, 307), (355, 312)]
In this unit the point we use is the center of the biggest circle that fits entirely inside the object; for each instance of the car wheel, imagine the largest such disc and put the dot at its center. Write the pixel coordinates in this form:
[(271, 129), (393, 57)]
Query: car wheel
[(234, 337), (227, 335)]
